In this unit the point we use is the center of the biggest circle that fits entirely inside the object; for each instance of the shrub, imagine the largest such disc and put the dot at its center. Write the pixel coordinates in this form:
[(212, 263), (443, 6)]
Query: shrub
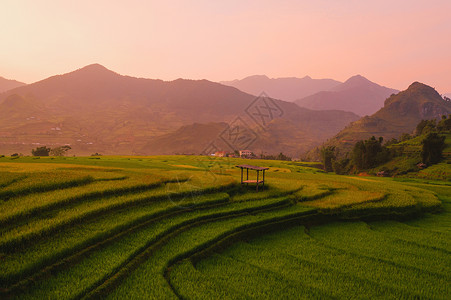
[(433, 145), (60, 151), (370, 153), (327, 157), (41, 151)]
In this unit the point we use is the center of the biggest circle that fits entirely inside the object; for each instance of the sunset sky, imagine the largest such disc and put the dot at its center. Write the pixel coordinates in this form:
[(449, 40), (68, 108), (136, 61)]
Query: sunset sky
[(391, 42)]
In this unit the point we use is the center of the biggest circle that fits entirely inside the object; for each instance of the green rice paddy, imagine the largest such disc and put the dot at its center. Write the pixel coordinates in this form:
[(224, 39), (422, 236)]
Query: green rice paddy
[(183, 227)]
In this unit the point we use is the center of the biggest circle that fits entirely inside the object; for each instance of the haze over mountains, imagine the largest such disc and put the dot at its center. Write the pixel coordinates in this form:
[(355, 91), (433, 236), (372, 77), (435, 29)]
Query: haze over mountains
[(94, 109), (357, 94), (8, 84), (288, 88), (97, 110), (294, 134), (401, 114)]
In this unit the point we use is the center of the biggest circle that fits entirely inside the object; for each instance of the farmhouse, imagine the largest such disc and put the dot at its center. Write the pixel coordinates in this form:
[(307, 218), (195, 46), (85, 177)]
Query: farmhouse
[(220, 153), (245, 153)]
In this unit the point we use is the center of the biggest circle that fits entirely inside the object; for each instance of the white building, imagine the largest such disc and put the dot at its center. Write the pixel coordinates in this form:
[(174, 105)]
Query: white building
[(245, 153)]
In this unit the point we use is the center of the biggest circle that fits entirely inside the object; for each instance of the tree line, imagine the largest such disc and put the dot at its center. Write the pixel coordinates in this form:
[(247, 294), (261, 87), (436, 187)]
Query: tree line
[(44, 151)]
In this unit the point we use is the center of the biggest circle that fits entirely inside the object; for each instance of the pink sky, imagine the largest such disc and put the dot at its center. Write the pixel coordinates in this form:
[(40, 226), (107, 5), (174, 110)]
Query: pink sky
[(390, 42)]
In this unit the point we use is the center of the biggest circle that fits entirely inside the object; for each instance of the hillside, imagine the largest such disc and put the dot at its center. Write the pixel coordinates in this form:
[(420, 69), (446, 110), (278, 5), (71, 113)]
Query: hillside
[(401, 114), (188, 139), (97, 110), (281, 135), (357, 94), (288, 88), (8, 84), (405, 164)]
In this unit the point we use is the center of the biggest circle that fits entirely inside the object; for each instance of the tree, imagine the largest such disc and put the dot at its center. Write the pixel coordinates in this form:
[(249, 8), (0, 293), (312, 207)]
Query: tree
[(341, 166), (358, 155), (60, 151), (420, 126), (445, 124), (425, 126), (370, 153), (282, 156), (392, 141), (373, 148), (433, 145), (327, 157), (41, 151), (405, 137)]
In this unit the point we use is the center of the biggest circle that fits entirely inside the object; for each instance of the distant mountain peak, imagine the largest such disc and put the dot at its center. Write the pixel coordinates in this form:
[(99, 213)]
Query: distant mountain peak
[(94, 68), (416, 85), (88, 74), (418, 92), (8, 84), (357, 79), (256, 77), (285, 88), (421, 88), (358, 95)]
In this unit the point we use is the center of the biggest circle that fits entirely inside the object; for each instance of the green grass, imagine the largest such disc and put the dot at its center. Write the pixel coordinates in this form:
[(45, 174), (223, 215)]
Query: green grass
[(8, 178), (131, 245), (148, 280), (87, 233), (182, 226), (339, 260), (22, 207), (42, 182)]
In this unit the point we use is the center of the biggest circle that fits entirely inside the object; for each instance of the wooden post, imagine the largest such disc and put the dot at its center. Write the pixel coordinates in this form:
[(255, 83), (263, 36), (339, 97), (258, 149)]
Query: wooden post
[(247, 176), (241, 175), (263, 185), (257, 180)]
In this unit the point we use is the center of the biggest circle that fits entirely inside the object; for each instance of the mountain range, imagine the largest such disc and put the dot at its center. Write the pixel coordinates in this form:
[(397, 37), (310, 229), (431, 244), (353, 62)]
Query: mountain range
[(401, 114), (288, 88), (357, 94), (94, 109), (8, 84)]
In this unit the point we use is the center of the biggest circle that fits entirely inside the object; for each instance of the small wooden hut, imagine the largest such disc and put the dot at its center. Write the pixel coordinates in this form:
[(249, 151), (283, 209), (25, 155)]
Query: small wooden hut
[(256, 168)]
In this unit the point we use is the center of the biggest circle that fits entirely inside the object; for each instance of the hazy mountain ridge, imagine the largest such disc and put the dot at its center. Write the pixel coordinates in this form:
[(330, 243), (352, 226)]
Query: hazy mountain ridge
[(285, 88), (9, 84), (401, 114), (357, 94), (97, 110), (280, 135)]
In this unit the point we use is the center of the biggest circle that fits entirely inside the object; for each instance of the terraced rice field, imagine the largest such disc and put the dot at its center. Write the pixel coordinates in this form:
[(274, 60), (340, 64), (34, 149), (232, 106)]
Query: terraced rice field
[(183, 227)]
